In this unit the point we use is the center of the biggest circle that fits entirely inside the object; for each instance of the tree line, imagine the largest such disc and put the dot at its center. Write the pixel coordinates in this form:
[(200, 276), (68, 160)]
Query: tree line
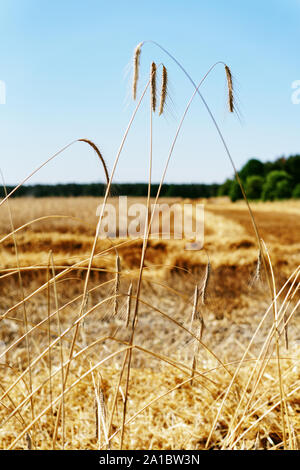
[(267, 181), (192, 191), (279, 179)]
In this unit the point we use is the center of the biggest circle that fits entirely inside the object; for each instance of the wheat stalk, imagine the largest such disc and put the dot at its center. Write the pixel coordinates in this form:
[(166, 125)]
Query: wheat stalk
[(128, 309), (257, 274), (205, 282), (51, 260), (198, 335), (195, 305), (117, 285), (21, 287), (100, 412)]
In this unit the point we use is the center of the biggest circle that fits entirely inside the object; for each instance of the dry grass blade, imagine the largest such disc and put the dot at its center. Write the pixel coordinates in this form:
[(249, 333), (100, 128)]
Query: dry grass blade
[(257, 275), (286, 333), (205, 282), (49, 334), (22, 295), (283, 405), (117, 285), (100, 411), (128, 306), (195, 306), (61, 354), (196, 350)]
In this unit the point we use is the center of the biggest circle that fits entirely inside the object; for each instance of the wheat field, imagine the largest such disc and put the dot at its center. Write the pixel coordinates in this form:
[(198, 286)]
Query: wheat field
[(199, 378)]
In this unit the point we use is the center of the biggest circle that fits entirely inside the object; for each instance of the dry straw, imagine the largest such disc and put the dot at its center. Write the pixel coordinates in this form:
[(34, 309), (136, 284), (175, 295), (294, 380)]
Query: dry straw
[(196, 349), (101, 415), (28, 441), (100, 412), (205, 282), (117, 285), (195, 305), (258, 268), (128, 309)]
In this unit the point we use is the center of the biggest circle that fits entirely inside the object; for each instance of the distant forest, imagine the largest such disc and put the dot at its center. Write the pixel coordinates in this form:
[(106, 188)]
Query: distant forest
[(262, 181), (122, 189)]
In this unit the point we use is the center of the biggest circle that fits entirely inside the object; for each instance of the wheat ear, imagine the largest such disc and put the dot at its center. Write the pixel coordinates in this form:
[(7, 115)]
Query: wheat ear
[(136, 66), (230, 89), (153, 86), (164, 90), (94, 146)]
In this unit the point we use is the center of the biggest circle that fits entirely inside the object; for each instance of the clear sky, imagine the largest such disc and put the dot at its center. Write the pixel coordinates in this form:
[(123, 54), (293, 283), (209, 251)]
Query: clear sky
[(66, 67)]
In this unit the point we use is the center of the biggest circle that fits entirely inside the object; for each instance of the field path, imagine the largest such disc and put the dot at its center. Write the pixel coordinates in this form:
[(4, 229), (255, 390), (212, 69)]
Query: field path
[(276, 224)]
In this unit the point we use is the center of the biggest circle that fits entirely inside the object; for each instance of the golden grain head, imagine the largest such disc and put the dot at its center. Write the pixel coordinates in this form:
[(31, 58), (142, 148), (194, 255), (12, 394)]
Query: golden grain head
[(136, 66), (230, 89), (153, 86), (164, 90), (94, 146)]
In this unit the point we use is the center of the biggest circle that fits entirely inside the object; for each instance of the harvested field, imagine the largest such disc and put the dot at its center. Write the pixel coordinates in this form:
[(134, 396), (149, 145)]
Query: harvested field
[(169, 406)]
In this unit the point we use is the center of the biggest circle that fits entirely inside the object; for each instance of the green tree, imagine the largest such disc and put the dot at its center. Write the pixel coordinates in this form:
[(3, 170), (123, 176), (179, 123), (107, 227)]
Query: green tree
[(235, 192), (283, 189), (293, 168), (296, 192), (254, 185), (273, 187), (251, 168), (224, 189)]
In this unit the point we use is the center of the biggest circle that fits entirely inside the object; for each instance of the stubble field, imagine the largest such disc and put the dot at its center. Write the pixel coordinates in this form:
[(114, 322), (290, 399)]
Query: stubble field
[(209, 376)]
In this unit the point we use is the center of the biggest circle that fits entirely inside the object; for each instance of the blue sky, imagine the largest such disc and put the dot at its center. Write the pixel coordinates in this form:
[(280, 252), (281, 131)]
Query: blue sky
[(66, 66)]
